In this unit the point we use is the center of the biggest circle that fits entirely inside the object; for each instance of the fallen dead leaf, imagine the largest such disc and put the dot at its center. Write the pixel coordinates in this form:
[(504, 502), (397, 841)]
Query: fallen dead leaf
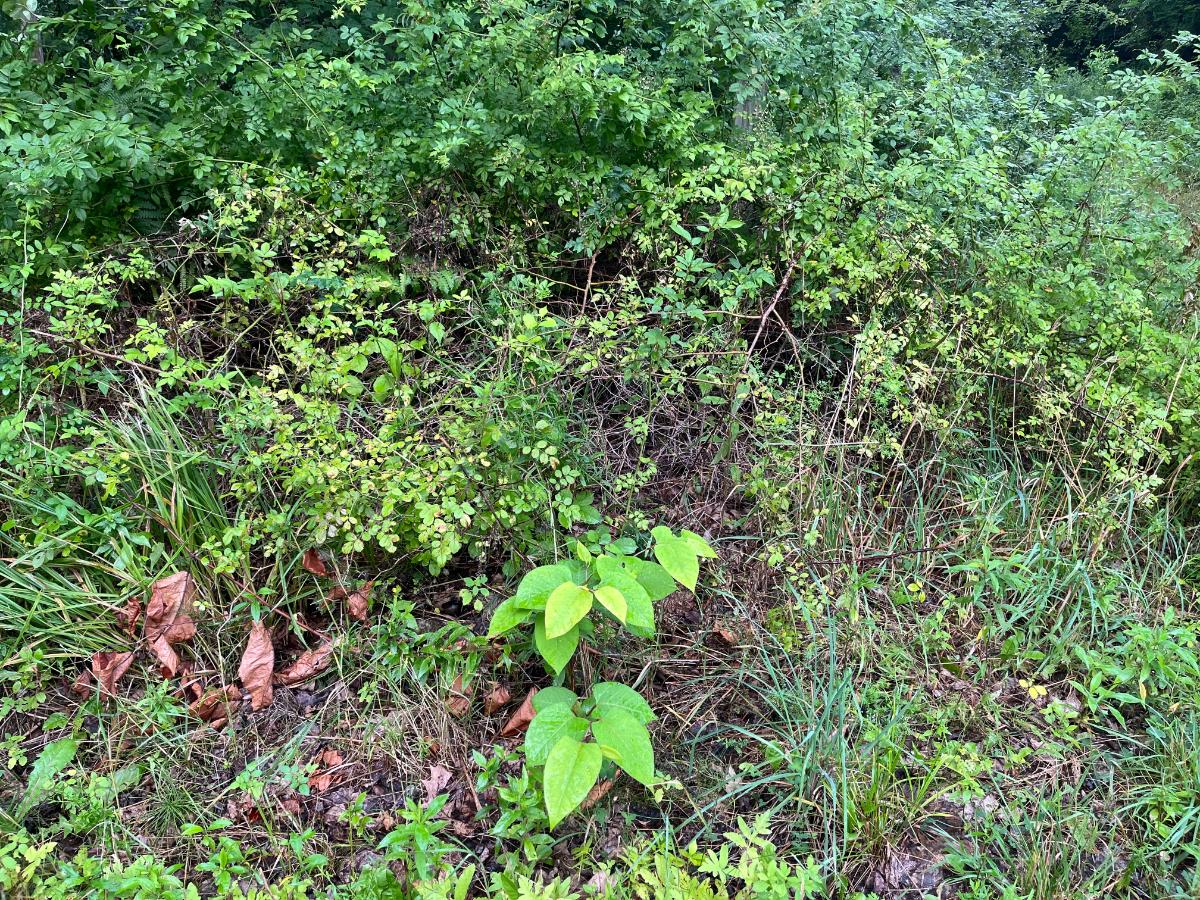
[(291, 805), (601, 882), (257, 666), (726, 634), (596, 794), (108, 667), (167, 619), (213, 706), (309, 664), (357, 600), (323, 780), (312, 562), (459, 701), (496, 698), (81, 687), (129, 617), (243, 808), (521, 718), (191, 685), (439, 777)]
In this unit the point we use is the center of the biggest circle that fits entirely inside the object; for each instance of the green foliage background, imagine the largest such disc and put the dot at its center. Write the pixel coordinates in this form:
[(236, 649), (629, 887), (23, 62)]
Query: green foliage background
[(434, 285)]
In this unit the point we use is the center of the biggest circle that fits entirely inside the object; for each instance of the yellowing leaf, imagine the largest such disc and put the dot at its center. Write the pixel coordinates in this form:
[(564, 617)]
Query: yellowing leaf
[(614, 601), (565, 607)]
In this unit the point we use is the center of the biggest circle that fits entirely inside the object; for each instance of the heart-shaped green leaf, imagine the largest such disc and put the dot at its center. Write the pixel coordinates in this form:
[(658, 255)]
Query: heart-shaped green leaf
[(557, 652), (508, 615), (610, 695), (571, 771), (654, 578), (566, 605), (677, 556), (553, 696), (547, 727), (539, 582), (613, 600), (625, 741)]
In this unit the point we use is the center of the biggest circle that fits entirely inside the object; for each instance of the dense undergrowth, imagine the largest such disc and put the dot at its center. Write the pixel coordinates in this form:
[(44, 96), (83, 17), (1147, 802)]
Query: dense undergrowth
[(326, 324)]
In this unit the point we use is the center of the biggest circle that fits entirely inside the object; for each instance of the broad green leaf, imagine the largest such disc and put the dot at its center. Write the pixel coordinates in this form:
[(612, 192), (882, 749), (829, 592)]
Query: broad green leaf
[(624, 739), (508, 615), (699, 544), (571, 772), (677, 556), (640, 619), (547, 727), (654, 578), (556, 651), (614, 601), (55, 757), (539, 582), (566, 605), (553, 696), (610, 695)]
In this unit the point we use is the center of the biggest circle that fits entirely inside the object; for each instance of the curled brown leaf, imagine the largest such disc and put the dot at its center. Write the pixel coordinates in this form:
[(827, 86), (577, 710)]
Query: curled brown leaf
[(328, 762), (310, 663), (520, 720), (129, 616), (312, 562), (168, 619), (439, 777), (496, 698), (81, 687), (459, 700), (213, 705), (257, 666), (108, 667), (358, 601)]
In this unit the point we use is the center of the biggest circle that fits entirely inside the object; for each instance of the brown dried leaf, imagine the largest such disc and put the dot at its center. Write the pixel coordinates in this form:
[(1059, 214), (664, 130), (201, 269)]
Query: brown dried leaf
[(108, 667), (597, 793), (291, 805), (357, 600), (191, 685), (243, 808), (498, 697), (81, 687), (257, 666), (322, 781), (459, 701), (129, 617), (309, 664), (312, 562), (726, 634), (521, 718), (213, 706), (439, 777), (167, 619)]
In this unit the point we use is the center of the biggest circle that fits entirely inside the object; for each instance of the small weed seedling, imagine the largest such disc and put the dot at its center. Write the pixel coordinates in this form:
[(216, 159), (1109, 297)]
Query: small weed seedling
[(559, 599)]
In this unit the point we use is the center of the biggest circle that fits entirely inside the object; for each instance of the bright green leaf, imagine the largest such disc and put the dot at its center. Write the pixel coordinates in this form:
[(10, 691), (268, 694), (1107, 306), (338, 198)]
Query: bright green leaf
[(553, 696), (557, 652), (566, 605), (55, 757), (539, 582), (678, 557), (625, 740), (508, 615), (699, 544), (614, 601), (571, 772), (547, 727), (610, 695)]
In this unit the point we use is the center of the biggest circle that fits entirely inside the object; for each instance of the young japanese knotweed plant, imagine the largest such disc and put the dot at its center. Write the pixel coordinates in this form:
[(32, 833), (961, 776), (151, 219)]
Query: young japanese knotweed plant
[(570, 736)]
